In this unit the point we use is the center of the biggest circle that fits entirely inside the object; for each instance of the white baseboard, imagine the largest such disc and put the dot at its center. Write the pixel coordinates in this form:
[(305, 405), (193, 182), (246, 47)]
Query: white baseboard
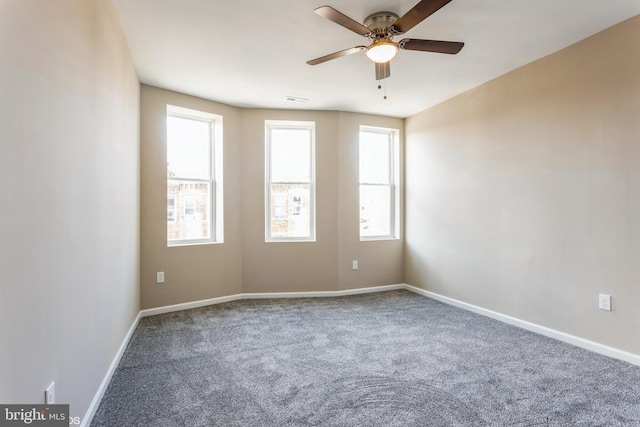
[(267, 295), (188, 305), (320, 294), (95, 403), (542, 330)]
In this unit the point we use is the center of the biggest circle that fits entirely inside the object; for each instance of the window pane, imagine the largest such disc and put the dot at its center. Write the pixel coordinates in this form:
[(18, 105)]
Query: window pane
[(188, 148), (374, 158), (171, 209), (291, 210), (375, 210), (290, 155), (191, 210)]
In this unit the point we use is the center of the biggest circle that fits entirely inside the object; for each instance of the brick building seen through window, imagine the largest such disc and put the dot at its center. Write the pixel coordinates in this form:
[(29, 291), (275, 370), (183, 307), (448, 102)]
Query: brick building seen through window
[(187, 210), (290, 208)]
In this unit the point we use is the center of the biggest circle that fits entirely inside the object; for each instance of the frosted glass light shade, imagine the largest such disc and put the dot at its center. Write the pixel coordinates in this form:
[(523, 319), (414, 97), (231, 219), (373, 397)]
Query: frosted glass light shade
[(382, 51)]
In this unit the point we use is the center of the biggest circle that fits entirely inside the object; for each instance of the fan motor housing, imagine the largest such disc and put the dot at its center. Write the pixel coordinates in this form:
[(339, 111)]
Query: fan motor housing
[(380, 21)]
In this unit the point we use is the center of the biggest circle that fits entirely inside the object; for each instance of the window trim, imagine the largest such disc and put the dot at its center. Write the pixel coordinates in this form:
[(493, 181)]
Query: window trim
[(393, 184), (288, 124), (215, 180)]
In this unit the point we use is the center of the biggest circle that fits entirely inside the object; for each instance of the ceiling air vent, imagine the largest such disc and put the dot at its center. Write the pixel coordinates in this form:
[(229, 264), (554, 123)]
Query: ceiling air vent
[(295, 99)]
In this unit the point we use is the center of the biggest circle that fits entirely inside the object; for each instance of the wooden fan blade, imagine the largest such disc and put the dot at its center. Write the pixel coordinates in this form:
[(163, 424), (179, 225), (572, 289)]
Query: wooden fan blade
[(419, 13), (383, 70), (336, 55), (436, 46), (341, 19)]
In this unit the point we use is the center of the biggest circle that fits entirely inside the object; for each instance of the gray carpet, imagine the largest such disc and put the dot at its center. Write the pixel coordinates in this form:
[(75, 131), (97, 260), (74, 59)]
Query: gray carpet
[(386, 359)]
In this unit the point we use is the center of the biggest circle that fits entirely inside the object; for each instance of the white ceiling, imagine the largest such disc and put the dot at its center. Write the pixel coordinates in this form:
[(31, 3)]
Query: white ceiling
[(253, 53)]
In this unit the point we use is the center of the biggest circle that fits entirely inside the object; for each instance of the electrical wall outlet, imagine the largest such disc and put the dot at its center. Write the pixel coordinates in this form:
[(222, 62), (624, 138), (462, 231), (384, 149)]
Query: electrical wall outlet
[(160, 277), (354, 265), (604, 302), (50, 394)]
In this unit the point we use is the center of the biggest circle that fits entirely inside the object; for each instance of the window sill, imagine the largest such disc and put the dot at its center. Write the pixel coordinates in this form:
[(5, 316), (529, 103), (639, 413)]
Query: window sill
[(290, 241), (378, 238), (192, 243)]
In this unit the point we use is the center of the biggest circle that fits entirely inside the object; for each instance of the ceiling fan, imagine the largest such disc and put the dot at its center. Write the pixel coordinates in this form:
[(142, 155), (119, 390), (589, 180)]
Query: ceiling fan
[(380, 28)]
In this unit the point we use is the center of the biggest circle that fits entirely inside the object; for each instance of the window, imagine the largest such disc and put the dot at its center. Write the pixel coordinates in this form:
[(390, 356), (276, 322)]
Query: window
[(194, 177), (171, 209), (297, 205), (189, 208), (379, 177), (290, 181), (280, 206)]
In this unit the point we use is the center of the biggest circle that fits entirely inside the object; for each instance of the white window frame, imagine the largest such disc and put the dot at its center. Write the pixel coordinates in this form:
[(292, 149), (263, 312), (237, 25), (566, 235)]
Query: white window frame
[(215, 181), (393, 184), (284, 124)]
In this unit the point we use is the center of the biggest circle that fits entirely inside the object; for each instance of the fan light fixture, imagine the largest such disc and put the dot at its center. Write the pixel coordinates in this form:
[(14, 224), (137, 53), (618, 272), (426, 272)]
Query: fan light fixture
[(382, 51), (380, 28)]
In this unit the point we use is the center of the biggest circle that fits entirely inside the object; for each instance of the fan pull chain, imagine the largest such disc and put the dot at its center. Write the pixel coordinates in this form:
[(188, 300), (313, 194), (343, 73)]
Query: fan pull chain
[(385, 89)]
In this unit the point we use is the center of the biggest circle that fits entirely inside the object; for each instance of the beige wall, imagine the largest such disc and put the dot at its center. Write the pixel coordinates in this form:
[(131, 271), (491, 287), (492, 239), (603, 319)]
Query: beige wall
[(280, 266), (69, 227), (244, 262), (523, 195), (379, 262), (192, 273)]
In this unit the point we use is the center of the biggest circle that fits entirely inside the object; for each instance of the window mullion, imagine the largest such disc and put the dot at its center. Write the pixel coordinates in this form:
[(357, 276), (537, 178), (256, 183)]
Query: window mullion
[(177, 178)]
